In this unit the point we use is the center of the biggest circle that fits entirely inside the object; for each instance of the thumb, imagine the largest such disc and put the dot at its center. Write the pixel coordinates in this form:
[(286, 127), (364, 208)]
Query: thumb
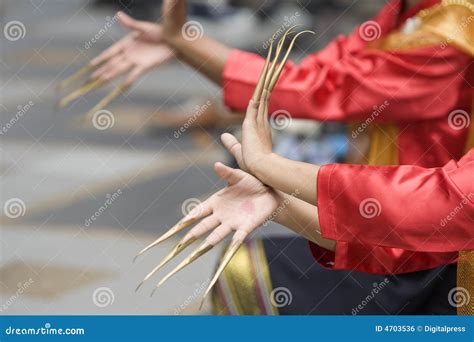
[(228, 174), (130, 23), (234, 147)]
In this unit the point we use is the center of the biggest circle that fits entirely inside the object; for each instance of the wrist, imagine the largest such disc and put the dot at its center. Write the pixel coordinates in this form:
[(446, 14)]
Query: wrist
[(174, 39), (282, 200), (263, 167)]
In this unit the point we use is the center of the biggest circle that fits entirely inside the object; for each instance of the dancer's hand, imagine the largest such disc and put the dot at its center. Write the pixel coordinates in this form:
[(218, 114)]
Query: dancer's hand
[(141, 50), (256, 135), (240, 208)]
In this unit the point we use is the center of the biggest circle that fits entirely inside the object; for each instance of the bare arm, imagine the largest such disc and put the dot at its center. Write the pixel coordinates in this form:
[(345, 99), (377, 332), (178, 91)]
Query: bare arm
[(289, 176), (204, 54), (303, 219)]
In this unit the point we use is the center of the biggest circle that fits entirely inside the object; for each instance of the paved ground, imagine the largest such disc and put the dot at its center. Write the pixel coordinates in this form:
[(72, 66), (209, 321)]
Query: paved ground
[(57, 172)]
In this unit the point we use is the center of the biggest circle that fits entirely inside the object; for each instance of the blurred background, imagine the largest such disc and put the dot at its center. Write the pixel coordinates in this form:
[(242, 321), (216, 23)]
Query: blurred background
[(79, 201)]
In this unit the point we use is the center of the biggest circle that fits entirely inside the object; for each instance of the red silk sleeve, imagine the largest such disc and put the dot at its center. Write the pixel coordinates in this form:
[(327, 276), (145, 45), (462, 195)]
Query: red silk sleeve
[(345, 81), (377, 259), (404, 218)]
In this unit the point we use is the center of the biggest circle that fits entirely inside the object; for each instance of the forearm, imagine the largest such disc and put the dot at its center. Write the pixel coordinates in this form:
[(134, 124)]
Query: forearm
[(288, 176), (206, 55), (303, 219)]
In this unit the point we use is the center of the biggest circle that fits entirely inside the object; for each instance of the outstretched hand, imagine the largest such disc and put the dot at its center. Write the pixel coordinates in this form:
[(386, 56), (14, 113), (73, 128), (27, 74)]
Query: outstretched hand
[(240, 208), (141, 50)]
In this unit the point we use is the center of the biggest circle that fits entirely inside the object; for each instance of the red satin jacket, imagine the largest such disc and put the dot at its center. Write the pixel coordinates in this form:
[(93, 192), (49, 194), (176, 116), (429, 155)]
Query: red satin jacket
[(344, 81), (408, 207)]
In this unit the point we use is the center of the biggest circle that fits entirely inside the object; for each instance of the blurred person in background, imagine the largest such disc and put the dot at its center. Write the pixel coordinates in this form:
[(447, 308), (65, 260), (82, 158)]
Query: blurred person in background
[(395, 62)]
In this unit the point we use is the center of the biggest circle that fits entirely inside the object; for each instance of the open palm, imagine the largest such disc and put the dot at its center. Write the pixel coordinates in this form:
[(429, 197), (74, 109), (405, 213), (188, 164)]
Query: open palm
[(241, 207), (141, 50)]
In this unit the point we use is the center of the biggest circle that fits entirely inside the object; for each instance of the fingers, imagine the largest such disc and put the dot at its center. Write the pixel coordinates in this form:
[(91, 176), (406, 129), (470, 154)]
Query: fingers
[(201, 250), (206, 225), (134, 75), (234, 147), (228, 174), (106, 100), (197, 213), (181, 246), (132, 24), (76, 76), (275, 77), (258, 89), (234, 246), (218, 234), (252, 110), (275, 59), (84, 89), (183, 224), (113, 68), (114, 50), (262, 115)]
